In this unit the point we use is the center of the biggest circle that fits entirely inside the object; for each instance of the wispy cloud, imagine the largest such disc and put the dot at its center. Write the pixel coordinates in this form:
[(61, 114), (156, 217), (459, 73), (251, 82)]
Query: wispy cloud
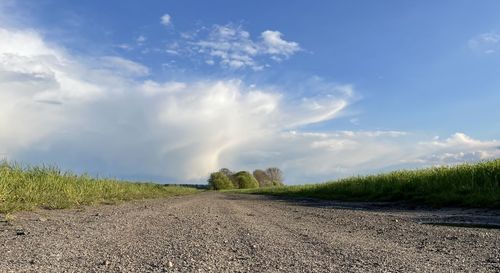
[(232, 47), (228, 46), (123, 66), (485, 43)]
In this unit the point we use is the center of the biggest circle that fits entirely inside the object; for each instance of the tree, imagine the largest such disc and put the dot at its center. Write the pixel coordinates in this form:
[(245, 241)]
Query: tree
[(245, 180), (226, 171), (219, 181), (262, 178), (229, 175), (276, 175)]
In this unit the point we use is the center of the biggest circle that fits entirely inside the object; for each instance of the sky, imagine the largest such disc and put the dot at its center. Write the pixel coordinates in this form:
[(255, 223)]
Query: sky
[(170, 90)]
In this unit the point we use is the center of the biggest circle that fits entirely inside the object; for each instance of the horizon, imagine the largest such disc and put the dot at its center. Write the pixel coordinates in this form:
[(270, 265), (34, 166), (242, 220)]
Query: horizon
[(172, 91)]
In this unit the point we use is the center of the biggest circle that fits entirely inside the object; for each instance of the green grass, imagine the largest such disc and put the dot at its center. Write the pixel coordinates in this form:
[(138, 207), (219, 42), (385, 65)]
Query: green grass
[(27, 188), (468, 185)]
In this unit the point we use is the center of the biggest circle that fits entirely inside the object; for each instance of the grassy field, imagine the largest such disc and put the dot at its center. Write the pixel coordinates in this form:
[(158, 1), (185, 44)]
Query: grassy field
[(26, 188), (469, 185)]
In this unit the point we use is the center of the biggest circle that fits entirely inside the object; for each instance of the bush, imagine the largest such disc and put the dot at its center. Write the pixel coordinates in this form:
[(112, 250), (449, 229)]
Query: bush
[(245, 180), (219, 181)]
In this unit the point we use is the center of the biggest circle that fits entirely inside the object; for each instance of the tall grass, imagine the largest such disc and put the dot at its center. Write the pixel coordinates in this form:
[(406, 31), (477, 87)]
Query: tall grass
[(470, 185), (26, 188)]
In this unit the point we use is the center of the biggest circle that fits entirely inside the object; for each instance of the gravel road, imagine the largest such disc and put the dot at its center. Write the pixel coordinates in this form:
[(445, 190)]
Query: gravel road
[(216, 232)]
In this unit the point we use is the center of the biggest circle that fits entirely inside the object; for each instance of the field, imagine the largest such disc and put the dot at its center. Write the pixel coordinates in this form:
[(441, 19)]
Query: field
[(469, 185), (27, 188)]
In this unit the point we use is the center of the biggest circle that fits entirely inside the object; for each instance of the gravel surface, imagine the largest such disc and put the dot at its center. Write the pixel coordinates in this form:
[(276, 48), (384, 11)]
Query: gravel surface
[(216, 232)]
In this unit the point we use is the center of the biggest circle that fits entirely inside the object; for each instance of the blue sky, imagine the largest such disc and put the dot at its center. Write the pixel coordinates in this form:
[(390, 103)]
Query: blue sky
[(171, 90)]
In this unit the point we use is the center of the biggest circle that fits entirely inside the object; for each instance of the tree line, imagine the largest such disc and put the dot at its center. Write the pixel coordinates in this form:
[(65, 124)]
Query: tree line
[(226, 179)]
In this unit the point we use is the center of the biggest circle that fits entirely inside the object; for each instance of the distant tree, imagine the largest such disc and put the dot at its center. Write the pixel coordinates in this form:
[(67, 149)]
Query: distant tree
[(226, 171), (262, 178), (245, 180), (219, 181), (276, 176), (230, 175)]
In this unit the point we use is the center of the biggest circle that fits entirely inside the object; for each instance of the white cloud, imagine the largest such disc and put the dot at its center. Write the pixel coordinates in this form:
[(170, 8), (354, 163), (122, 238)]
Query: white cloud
[(456, 149), (275, 45), (485, 43), (232, 47), (27, 42), (96, 114), (166, 20)]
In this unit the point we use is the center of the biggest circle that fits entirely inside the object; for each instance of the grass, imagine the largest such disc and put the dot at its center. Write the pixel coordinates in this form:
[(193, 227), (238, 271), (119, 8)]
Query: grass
[(27, 188), (467, 185)]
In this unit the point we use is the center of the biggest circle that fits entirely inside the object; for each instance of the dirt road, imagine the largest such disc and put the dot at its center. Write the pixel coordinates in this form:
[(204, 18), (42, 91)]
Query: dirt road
[(215, 232)]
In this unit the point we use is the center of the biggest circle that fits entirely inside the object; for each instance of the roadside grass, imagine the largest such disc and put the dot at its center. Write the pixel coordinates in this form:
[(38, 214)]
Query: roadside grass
[(27, 188), (467, 185)]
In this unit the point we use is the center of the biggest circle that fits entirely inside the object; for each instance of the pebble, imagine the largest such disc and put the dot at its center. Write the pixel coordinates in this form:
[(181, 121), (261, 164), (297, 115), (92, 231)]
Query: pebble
[(20, 232)]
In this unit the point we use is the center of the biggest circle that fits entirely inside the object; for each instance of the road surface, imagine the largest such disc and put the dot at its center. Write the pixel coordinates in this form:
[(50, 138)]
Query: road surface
[(217, 232)]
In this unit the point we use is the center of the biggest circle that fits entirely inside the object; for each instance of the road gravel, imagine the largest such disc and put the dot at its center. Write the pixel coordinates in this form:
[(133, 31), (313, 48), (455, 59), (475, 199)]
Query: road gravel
[(221, 232)]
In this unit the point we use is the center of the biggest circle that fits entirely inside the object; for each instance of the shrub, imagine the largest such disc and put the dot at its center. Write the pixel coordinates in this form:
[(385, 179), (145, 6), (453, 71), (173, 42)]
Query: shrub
[(245, 180), (219, 181)]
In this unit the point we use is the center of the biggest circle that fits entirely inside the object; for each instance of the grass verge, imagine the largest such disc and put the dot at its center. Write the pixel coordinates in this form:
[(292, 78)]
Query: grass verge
[(27, 188), (467, 185)]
